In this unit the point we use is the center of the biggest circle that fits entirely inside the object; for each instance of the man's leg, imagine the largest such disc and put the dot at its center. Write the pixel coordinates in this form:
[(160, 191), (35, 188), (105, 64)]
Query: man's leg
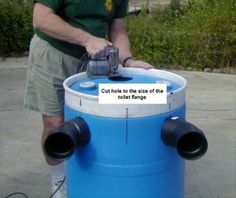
[(48, 68), (56, 168), (49, 123)]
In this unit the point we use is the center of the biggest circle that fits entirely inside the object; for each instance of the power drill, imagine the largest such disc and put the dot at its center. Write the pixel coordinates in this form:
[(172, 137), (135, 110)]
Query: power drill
[(105, 64)]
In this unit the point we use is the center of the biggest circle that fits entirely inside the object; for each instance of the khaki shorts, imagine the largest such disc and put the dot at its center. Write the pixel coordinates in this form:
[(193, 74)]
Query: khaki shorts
[(47, 69)]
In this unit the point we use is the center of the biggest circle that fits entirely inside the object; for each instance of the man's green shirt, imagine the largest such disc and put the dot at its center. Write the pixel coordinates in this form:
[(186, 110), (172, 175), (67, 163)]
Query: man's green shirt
[(93, 16)]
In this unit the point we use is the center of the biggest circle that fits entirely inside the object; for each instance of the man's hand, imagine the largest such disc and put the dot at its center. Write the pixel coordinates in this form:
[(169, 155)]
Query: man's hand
[(95, 45), (119, 38), (138, 64)]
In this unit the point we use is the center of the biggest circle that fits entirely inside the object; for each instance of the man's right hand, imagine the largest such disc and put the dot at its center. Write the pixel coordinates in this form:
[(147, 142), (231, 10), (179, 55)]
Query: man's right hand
[(95, 45)]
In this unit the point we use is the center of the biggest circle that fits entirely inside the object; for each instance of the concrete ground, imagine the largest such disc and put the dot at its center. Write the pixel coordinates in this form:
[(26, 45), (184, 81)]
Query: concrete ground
[(211, 105)]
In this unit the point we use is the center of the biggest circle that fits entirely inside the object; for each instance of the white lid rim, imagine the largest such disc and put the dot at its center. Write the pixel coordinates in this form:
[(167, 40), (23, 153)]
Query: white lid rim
[(85, 103), (74, 78)]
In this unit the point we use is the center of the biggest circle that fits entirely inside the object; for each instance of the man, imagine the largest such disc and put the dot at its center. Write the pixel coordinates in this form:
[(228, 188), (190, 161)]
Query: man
[(64, 32)]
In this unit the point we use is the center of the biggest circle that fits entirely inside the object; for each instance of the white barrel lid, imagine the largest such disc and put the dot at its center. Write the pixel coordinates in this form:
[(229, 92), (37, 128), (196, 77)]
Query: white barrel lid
[(81, 94)]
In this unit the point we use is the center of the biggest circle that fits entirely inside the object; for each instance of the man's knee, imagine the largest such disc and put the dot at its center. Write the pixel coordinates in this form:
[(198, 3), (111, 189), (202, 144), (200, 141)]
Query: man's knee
[(51, 122)]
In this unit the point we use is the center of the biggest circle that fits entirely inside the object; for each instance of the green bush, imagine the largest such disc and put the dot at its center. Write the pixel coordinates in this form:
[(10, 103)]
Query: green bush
[(195, 34), (15, 26)]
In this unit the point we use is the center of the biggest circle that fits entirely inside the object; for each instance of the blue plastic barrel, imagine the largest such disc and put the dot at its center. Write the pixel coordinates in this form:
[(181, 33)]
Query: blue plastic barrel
[(125, 157)]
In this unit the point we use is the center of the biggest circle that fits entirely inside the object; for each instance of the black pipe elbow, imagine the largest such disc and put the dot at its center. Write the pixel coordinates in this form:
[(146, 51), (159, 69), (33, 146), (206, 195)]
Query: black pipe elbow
[(62, 141), (189, 140)]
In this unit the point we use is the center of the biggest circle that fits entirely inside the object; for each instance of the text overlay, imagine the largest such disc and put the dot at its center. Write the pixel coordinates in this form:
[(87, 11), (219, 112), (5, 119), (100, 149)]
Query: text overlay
[(132, 93)]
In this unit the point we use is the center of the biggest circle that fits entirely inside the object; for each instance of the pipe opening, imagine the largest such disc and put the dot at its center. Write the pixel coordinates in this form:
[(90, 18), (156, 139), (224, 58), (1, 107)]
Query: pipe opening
[(59, 146), (192, 145)]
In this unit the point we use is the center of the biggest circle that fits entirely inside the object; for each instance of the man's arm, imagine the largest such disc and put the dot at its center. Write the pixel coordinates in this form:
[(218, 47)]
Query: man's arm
[(119, 38), (45, 19)]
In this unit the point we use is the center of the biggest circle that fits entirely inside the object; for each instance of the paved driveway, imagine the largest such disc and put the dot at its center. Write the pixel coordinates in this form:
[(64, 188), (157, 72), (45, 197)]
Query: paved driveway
[(211, 105)]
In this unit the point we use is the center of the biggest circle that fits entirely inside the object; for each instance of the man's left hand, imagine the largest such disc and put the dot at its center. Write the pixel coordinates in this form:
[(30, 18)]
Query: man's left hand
[(138, 64)]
